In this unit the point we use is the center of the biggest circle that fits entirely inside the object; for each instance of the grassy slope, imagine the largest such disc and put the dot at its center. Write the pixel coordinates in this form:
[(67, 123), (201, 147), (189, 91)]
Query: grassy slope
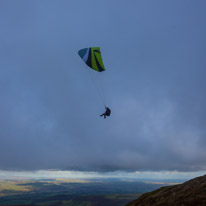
[(190, 193)]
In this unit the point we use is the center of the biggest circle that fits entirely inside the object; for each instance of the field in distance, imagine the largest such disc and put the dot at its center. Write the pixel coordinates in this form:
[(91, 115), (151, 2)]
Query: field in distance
[(101, 192)]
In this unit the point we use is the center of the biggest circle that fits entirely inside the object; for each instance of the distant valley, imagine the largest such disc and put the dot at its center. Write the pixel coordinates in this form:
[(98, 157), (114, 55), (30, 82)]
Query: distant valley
[(62, 192)]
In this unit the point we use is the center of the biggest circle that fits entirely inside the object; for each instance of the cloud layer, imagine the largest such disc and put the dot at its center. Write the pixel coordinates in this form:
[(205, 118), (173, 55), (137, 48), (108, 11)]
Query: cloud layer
[(154, 53)]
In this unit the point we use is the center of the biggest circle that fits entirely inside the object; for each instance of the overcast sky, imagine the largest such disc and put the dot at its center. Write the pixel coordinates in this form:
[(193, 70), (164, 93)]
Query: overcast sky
[(154, 83)]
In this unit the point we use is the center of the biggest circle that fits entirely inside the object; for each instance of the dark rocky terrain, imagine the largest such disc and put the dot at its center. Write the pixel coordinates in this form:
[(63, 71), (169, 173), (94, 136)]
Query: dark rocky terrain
[(190, 193)]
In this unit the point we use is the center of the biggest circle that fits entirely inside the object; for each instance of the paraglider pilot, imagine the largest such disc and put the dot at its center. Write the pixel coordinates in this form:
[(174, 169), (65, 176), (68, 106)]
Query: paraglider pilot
[(107, 112)]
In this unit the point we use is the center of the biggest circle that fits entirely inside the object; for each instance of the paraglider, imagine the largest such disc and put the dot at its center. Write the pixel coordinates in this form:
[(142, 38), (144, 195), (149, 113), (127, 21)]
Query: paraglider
[(107, 112), (93, 58)]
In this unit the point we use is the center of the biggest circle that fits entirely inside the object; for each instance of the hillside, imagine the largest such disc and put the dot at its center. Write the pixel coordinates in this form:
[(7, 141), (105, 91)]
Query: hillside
[(190, 193)]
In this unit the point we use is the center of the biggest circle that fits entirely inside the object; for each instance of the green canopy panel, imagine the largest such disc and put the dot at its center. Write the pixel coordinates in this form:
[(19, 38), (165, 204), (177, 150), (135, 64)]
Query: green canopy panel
[(92, 57)]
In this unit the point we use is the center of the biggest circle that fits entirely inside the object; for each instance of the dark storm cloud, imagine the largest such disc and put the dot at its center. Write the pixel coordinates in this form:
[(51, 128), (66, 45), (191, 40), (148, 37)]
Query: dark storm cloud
[(154, 53)]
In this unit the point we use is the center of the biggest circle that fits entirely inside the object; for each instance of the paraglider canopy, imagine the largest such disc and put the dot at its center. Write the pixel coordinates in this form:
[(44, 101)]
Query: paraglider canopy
[(92, 57)]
